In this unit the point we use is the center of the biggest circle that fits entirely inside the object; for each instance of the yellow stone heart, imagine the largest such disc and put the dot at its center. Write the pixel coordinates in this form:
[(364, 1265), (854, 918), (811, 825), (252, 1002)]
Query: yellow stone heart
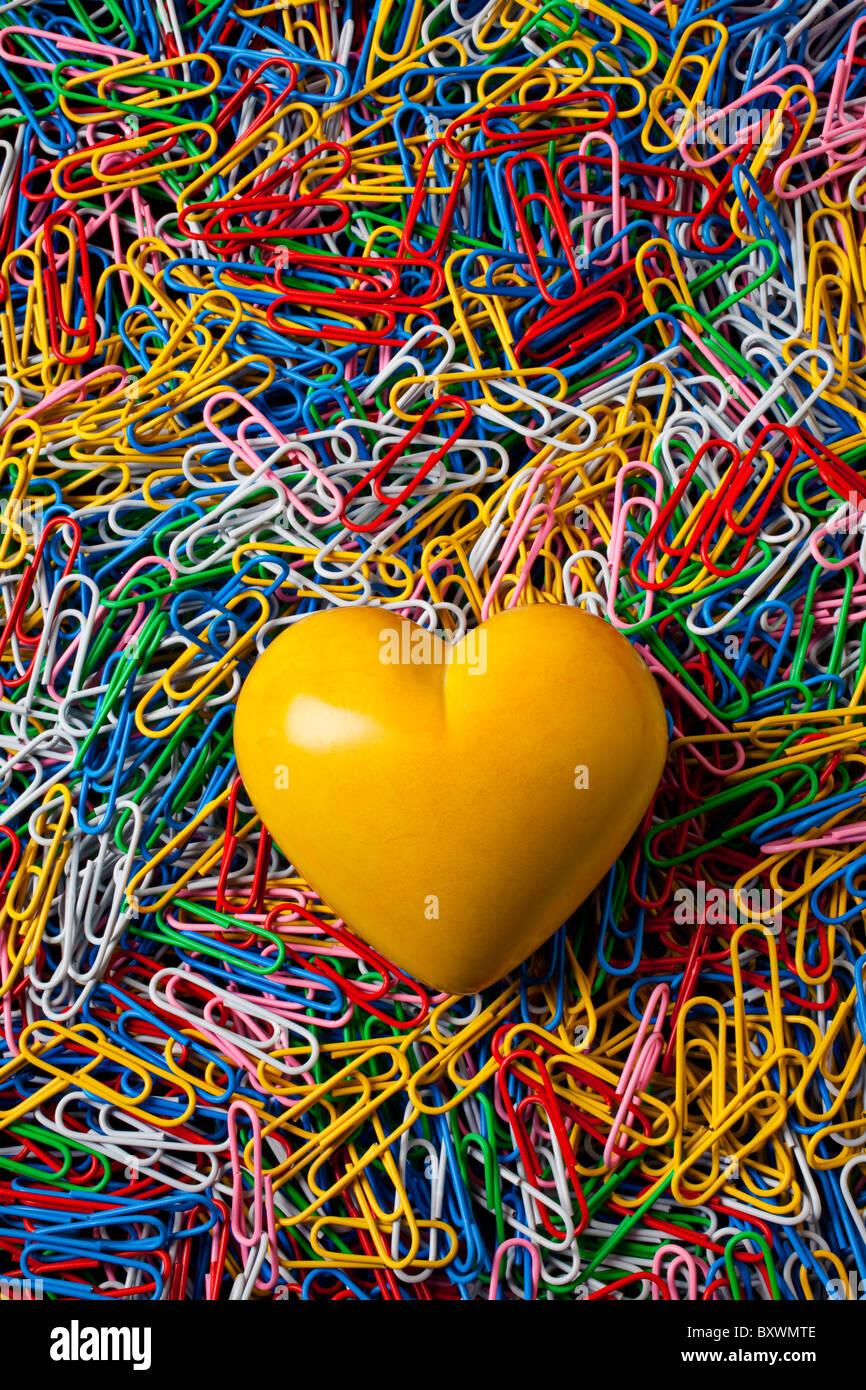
[(452, 804)]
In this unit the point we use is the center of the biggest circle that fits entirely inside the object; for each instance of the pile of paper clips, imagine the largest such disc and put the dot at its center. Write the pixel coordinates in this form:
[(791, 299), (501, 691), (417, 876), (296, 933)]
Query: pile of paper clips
[(446, 306)]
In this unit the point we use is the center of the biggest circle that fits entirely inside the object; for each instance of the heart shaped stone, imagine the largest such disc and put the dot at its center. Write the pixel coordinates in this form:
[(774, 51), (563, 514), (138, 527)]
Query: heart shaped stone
[(453, 804)]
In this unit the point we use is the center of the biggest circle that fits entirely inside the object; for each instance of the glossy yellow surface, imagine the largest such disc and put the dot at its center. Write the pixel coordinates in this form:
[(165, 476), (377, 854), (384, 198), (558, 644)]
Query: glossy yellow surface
[(453, 812)]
